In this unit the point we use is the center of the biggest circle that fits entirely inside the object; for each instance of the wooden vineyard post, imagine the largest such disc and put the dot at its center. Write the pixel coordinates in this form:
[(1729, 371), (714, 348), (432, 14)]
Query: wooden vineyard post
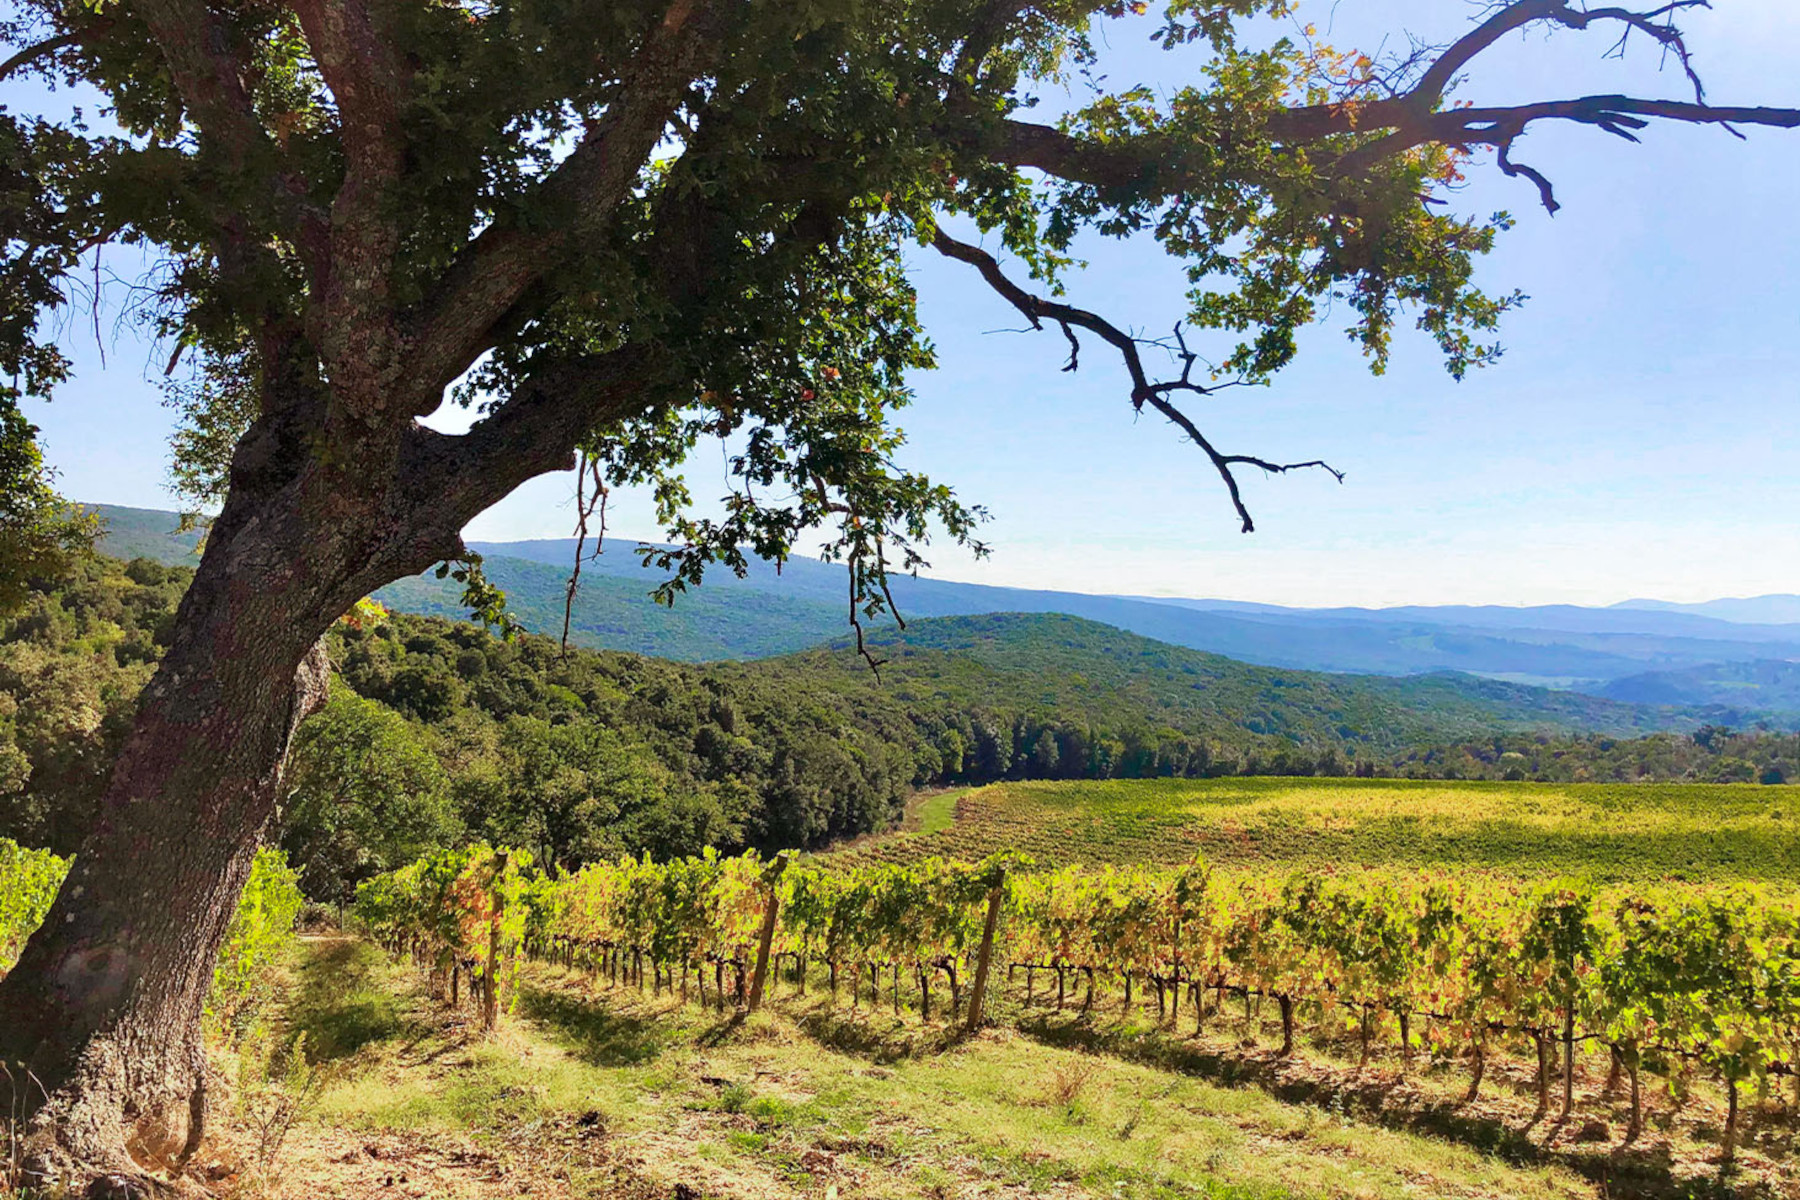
[(1568, 1100), (490, 1014), (978, 993), (766, 939)]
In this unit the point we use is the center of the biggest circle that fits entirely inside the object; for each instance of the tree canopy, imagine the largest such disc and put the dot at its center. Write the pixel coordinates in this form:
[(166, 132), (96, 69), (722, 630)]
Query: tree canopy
[(628, 226)]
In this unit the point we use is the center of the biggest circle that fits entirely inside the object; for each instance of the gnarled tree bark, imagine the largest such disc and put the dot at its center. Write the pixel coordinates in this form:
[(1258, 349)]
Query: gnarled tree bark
[(104, 1005)]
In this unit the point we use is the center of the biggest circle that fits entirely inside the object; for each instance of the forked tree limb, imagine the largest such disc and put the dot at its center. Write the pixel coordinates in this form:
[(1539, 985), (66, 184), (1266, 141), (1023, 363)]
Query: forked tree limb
[(1412, 117), (1144, 390), (454, 325), (1509, 18), (351, 319)]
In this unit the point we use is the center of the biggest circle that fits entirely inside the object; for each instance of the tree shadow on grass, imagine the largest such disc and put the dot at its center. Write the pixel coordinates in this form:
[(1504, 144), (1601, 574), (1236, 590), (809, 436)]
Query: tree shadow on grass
[(874, 1037), (598, 1035), (342, 1002), (1636, 1171)]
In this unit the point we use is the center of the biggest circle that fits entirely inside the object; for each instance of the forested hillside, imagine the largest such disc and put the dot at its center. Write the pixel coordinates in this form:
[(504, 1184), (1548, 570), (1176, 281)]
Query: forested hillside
[(1770, 685), (801, 605), (1085, 672), (438, 730)]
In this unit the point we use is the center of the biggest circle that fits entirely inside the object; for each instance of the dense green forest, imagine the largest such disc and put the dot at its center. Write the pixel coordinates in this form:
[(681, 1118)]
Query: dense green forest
[(438, 730)]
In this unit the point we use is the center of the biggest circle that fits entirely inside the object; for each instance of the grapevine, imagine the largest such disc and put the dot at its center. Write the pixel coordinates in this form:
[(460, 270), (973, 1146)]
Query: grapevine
[(1668, 979), (261, 929)]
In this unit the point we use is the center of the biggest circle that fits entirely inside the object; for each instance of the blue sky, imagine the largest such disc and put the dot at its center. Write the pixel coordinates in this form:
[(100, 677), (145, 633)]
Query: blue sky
[(1638, 439)]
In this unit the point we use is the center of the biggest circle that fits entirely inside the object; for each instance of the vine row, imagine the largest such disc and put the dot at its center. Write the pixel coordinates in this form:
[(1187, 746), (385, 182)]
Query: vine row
[(1671, 981)]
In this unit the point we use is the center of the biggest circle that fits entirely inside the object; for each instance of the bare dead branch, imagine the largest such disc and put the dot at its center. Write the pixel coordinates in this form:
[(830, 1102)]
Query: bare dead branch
[(868, 656), (587, 468), (1143, 390), (1546, 192)]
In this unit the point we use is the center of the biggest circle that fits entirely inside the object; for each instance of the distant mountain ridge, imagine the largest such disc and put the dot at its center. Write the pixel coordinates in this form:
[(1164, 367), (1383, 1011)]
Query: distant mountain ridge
[(1778, 608), (1762, 685), (1631, 617), (774, 612)]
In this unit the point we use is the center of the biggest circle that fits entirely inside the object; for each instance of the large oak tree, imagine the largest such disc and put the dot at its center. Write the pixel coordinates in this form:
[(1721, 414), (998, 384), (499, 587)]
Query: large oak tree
[(617, 227)]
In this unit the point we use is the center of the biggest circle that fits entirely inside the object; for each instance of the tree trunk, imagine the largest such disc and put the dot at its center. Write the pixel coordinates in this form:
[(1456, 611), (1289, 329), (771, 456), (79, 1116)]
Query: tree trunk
[(1568, 1099), (105, 1002), (1637, 1097), (983, 961), (765, 938), (1729, 1150), (490, 996)]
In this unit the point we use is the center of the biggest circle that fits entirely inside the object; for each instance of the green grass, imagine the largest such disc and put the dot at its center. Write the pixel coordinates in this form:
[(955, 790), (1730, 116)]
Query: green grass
[(344, 998), (1610, 832), (758, 1107), (939, 812)]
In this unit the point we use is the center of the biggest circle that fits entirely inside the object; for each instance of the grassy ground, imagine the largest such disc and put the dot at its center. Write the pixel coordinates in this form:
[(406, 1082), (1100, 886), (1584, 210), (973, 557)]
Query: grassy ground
[(591, 1092), (1613, 833), (938, 812), (588, 1090)]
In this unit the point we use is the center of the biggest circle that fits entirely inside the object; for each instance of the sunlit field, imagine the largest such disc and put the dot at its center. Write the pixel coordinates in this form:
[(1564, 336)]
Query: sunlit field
[(1607, 832)]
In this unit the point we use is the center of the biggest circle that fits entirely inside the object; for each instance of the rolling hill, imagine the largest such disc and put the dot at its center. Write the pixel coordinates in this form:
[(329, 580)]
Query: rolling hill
[(1082, 671), (771, 613), (1761, 685)]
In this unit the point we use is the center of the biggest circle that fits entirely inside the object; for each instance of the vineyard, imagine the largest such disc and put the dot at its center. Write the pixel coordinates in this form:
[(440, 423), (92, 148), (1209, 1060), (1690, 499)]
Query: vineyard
[(1612, 833), (260, 930), (28, 882), (1671, 990)]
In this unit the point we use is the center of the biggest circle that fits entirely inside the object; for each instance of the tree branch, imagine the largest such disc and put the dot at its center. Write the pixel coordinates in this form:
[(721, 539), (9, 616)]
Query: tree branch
[(1414, 116), (31, 54), (207, 73), (209, 76), (985, 33), (531, 433), (1143, 390), (452, 329), (350, 319)]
